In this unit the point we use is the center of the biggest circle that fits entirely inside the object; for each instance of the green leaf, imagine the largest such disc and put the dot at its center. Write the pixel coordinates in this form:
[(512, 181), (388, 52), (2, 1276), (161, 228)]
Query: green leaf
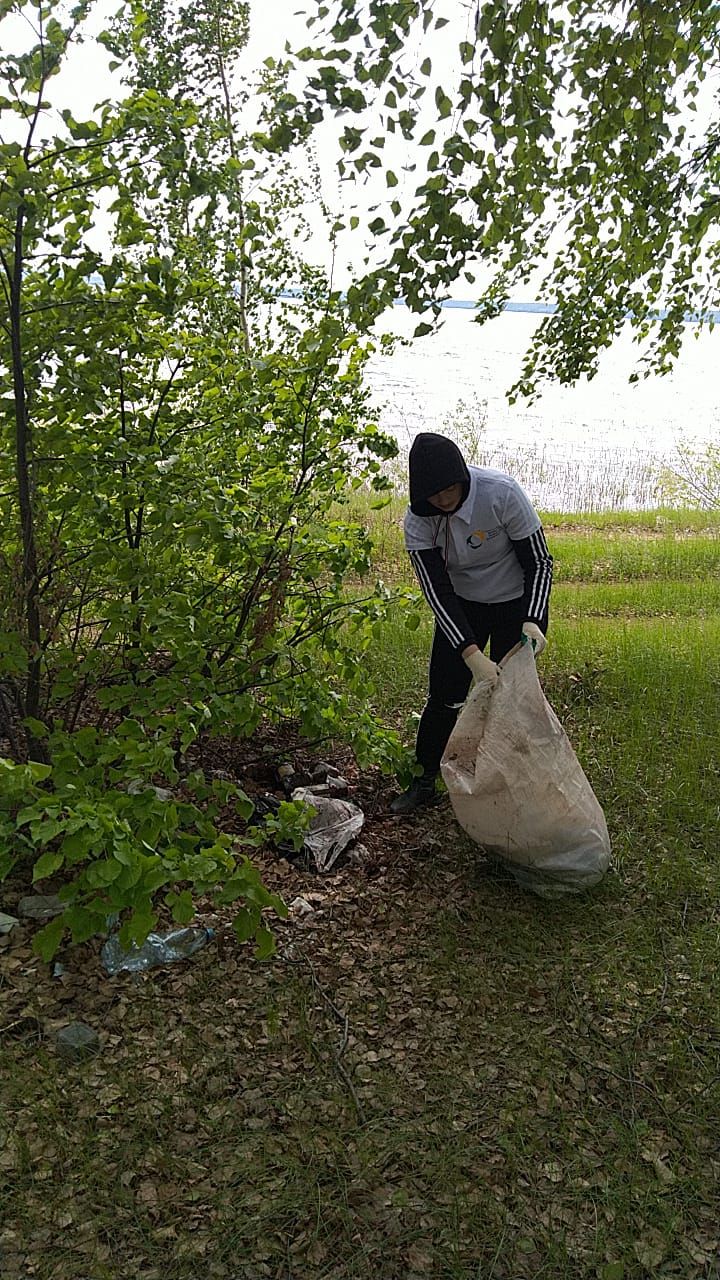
[(443, 103), (244, 925), (85, 922), (265, 941), (39, 772), (48, 939), (278, 905), (181, 905), (244, 806), (77, 844), (36, 727), (142, 921), (47, 864)]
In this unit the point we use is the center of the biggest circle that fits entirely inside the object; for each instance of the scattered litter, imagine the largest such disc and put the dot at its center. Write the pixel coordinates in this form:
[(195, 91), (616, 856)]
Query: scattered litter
[(59, 969), (358, 854), (301, 907), (335, 786), (334, 826), (7, 922), (40, 906), (324, 771), (290, 777), (137, 786), (265, 804), (338, 785), (158, 949), (77, 1040)]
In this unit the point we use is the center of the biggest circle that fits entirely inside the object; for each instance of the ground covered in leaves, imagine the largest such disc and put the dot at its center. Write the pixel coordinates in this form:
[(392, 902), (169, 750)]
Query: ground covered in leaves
[(436, 1076)]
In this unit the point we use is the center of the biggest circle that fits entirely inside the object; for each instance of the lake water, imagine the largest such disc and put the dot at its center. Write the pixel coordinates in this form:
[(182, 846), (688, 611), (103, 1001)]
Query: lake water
[(599, 443)]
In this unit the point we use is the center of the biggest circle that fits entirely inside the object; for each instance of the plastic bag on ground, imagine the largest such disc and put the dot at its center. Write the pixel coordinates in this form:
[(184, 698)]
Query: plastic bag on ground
[(157, 949), (517, 787), (334, 826)]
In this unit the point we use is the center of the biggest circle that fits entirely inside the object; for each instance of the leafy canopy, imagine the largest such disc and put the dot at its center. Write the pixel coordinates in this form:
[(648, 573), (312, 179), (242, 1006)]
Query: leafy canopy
[(573, 148)]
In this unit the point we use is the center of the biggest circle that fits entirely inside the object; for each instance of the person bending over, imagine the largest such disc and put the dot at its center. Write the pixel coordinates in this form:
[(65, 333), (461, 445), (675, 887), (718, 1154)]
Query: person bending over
[(478, 548)]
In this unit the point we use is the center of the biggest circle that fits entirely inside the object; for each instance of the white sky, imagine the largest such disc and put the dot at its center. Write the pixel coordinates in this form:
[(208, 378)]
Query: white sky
[(272, 24), (275, 22), (87, 80)]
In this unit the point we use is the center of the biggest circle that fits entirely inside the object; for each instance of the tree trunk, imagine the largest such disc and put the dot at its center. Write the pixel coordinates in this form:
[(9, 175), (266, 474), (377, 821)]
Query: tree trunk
[(36, 749)]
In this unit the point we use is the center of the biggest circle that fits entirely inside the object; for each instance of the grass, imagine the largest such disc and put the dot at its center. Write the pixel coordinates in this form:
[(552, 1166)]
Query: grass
[(657, 597), (615, 557), (439, 1076), (633, 670), (603, 546)]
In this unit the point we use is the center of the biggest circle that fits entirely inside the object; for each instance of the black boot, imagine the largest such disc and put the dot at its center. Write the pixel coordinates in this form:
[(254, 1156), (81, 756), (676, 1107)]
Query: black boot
[(419, 794)]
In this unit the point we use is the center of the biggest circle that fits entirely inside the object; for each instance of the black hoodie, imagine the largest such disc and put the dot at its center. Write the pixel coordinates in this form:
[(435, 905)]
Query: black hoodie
[(436, 463)]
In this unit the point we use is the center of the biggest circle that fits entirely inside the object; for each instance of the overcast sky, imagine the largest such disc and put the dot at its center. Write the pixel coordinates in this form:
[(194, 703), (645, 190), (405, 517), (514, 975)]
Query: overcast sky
[(275, 22), (87, 80)]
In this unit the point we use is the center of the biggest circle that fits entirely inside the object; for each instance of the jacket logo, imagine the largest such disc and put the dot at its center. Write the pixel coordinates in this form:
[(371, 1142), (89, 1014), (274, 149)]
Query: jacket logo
[(479, 536)]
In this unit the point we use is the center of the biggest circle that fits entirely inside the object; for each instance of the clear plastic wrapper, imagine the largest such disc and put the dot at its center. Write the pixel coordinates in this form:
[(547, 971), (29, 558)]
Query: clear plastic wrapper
[(157, 949)]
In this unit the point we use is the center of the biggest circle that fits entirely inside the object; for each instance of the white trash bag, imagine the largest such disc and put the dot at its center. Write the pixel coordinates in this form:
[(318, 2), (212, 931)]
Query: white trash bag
[(517, 787), (333, 827)]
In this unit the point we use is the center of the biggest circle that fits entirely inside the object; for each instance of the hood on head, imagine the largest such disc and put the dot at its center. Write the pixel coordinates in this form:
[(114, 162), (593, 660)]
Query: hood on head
[(435, 464)]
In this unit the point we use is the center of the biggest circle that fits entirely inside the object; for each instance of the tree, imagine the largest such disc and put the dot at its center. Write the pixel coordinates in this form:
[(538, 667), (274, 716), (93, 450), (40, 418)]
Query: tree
[(572, 145), (175, 458)]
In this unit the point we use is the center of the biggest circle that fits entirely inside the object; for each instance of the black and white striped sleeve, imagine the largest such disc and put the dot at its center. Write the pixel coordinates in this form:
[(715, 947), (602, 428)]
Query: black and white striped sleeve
[(440, 595), (537, 566)]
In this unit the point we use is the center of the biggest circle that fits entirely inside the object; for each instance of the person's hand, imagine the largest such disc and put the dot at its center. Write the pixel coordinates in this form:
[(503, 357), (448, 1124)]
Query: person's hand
[(534, 635), (482, 668)]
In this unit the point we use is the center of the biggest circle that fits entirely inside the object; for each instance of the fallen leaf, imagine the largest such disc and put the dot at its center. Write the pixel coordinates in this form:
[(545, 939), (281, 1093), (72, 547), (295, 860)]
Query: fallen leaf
[(650, 1250)]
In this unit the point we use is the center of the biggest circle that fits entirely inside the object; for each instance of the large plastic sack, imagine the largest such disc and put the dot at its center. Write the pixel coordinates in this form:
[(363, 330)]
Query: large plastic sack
[(517, 787)]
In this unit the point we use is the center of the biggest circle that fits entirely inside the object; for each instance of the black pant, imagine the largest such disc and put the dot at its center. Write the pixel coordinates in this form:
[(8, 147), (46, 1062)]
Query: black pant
[(449, 678)]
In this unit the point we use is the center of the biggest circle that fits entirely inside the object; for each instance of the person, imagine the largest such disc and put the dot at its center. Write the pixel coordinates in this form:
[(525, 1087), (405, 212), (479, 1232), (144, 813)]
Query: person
[(479, 552)]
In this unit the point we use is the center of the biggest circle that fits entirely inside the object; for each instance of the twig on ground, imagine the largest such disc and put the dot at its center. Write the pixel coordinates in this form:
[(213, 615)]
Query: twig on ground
[(708, 1086), (343, 1019), (628, 1080)]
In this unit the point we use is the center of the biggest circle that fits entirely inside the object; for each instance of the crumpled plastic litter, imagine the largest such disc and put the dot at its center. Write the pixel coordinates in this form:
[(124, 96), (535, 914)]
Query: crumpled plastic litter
[(300, 907), (334, 826), (157, 949)]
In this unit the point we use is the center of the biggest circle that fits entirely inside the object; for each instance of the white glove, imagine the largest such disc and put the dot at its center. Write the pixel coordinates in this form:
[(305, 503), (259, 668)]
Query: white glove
[(482, 668), (532, 632)]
